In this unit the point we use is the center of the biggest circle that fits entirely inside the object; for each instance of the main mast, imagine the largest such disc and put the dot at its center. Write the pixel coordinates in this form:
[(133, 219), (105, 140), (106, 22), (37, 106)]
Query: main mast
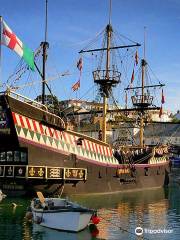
[(108, 77), (109, 33)]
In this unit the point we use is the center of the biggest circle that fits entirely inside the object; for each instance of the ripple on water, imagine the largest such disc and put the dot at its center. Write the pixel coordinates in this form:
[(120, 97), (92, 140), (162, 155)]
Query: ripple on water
[(120, 214)]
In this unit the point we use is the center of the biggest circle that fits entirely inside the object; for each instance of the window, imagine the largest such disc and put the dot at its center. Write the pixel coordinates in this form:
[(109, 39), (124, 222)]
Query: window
[(23, 157), (16, 156), (9, 156), (2, 157)]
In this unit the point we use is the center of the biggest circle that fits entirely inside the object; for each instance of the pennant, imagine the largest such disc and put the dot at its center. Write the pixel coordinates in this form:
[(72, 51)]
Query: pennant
[(76, 86), (136, 58), (80, 64), (162, 99), (160, 111), (132, 77), (10, 40)]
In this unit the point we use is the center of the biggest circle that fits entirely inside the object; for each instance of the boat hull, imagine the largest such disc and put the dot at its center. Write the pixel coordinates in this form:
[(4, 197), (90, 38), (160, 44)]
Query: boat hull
[(60, 214), (34, 142), (101, 178), (71, 221)]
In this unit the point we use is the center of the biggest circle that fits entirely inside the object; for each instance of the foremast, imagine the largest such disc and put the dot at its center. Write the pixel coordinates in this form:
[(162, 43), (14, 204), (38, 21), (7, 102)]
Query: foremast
[(44, 46)]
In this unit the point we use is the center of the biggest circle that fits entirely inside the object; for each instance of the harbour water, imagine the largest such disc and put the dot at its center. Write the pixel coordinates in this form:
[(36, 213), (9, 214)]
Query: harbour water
[(155, 212)]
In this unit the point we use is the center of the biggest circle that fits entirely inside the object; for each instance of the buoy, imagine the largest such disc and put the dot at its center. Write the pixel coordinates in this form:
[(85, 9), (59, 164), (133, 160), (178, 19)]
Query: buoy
[(95, 219)]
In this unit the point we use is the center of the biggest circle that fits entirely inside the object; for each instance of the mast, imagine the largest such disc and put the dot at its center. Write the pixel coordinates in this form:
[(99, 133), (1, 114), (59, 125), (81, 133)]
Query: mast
[(109, 34), (107, 78), (143, 64), (44, 46)]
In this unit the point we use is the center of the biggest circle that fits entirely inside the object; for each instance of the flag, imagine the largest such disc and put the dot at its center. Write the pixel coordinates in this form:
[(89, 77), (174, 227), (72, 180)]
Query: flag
[(80, 64), (126, 99), (10, 40), (160, 111), (76, 86), (132, 77), (162, 99), (136, 58)]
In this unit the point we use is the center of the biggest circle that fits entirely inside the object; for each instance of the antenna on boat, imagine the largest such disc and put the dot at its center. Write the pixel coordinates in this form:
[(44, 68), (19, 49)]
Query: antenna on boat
[(45, 46)]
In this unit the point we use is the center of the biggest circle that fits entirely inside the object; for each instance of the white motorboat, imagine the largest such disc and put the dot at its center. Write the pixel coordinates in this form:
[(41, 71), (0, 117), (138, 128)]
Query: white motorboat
[(2, 195), (60, 214)]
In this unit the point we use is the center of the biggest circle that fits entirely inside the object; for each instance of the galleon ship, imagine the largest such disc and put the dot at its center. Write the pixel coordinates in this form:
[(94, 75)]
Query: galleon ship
[(38, 152)]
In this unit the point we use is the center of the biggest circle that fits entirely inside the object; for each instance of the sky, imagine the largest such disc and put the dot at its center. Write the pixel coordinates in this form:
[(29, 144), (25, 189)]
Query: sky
[(72, 24)]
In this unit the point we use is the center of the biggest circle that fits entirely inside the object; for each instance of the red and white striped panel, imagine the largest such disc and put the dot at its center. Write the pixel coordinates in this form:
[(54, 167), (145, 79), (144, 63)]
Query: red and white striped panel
[(37, 127)]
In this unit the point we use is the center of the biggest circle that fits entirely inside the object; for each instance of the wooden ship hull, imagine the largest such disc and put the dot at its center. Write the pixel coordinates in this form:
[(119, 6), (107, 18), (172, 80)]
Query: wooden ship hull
[(38, 153)]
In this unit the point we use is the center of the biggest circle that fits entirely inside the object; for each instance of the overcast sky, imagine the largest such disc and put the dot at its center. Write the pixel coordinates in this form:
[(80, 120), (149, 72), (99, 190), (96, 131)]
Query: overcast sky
[(72, 23)]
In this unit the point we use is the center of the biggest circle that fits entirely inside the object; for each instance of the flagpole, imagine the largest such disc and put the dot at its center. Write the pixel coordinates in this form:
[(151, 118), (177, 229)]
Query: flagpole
[(0, 51)]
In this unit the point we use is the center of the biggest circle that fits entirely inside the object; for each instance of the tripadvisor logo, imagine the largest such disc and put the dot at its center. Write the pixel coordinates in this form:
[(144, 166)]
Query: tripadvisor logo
[(139, 231)]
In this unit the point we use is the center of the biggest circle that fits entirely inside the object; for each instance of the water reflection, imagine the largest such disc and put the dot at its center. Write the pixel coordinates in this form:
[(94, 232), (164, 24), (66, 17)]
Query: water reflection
[(39, 233), (120, 214)]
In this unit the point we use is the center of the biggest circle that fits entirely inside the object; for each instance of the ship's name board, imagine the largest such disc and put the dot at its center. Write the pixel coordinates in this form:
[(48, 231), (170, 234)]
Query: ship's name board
[(42, 172)]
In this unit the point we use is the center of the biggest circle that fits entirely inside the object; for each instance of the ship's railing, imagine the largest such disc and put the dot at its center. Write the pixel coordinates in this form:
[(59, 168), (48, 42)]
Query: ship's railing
[(26, 100), (111, 76), (142, 100), (33, 103)]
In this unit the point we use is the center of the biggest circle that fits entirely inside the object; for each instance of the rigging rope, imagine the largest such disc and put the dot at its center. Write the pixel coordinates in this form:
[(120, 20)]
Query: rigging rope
[(124, 118)]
